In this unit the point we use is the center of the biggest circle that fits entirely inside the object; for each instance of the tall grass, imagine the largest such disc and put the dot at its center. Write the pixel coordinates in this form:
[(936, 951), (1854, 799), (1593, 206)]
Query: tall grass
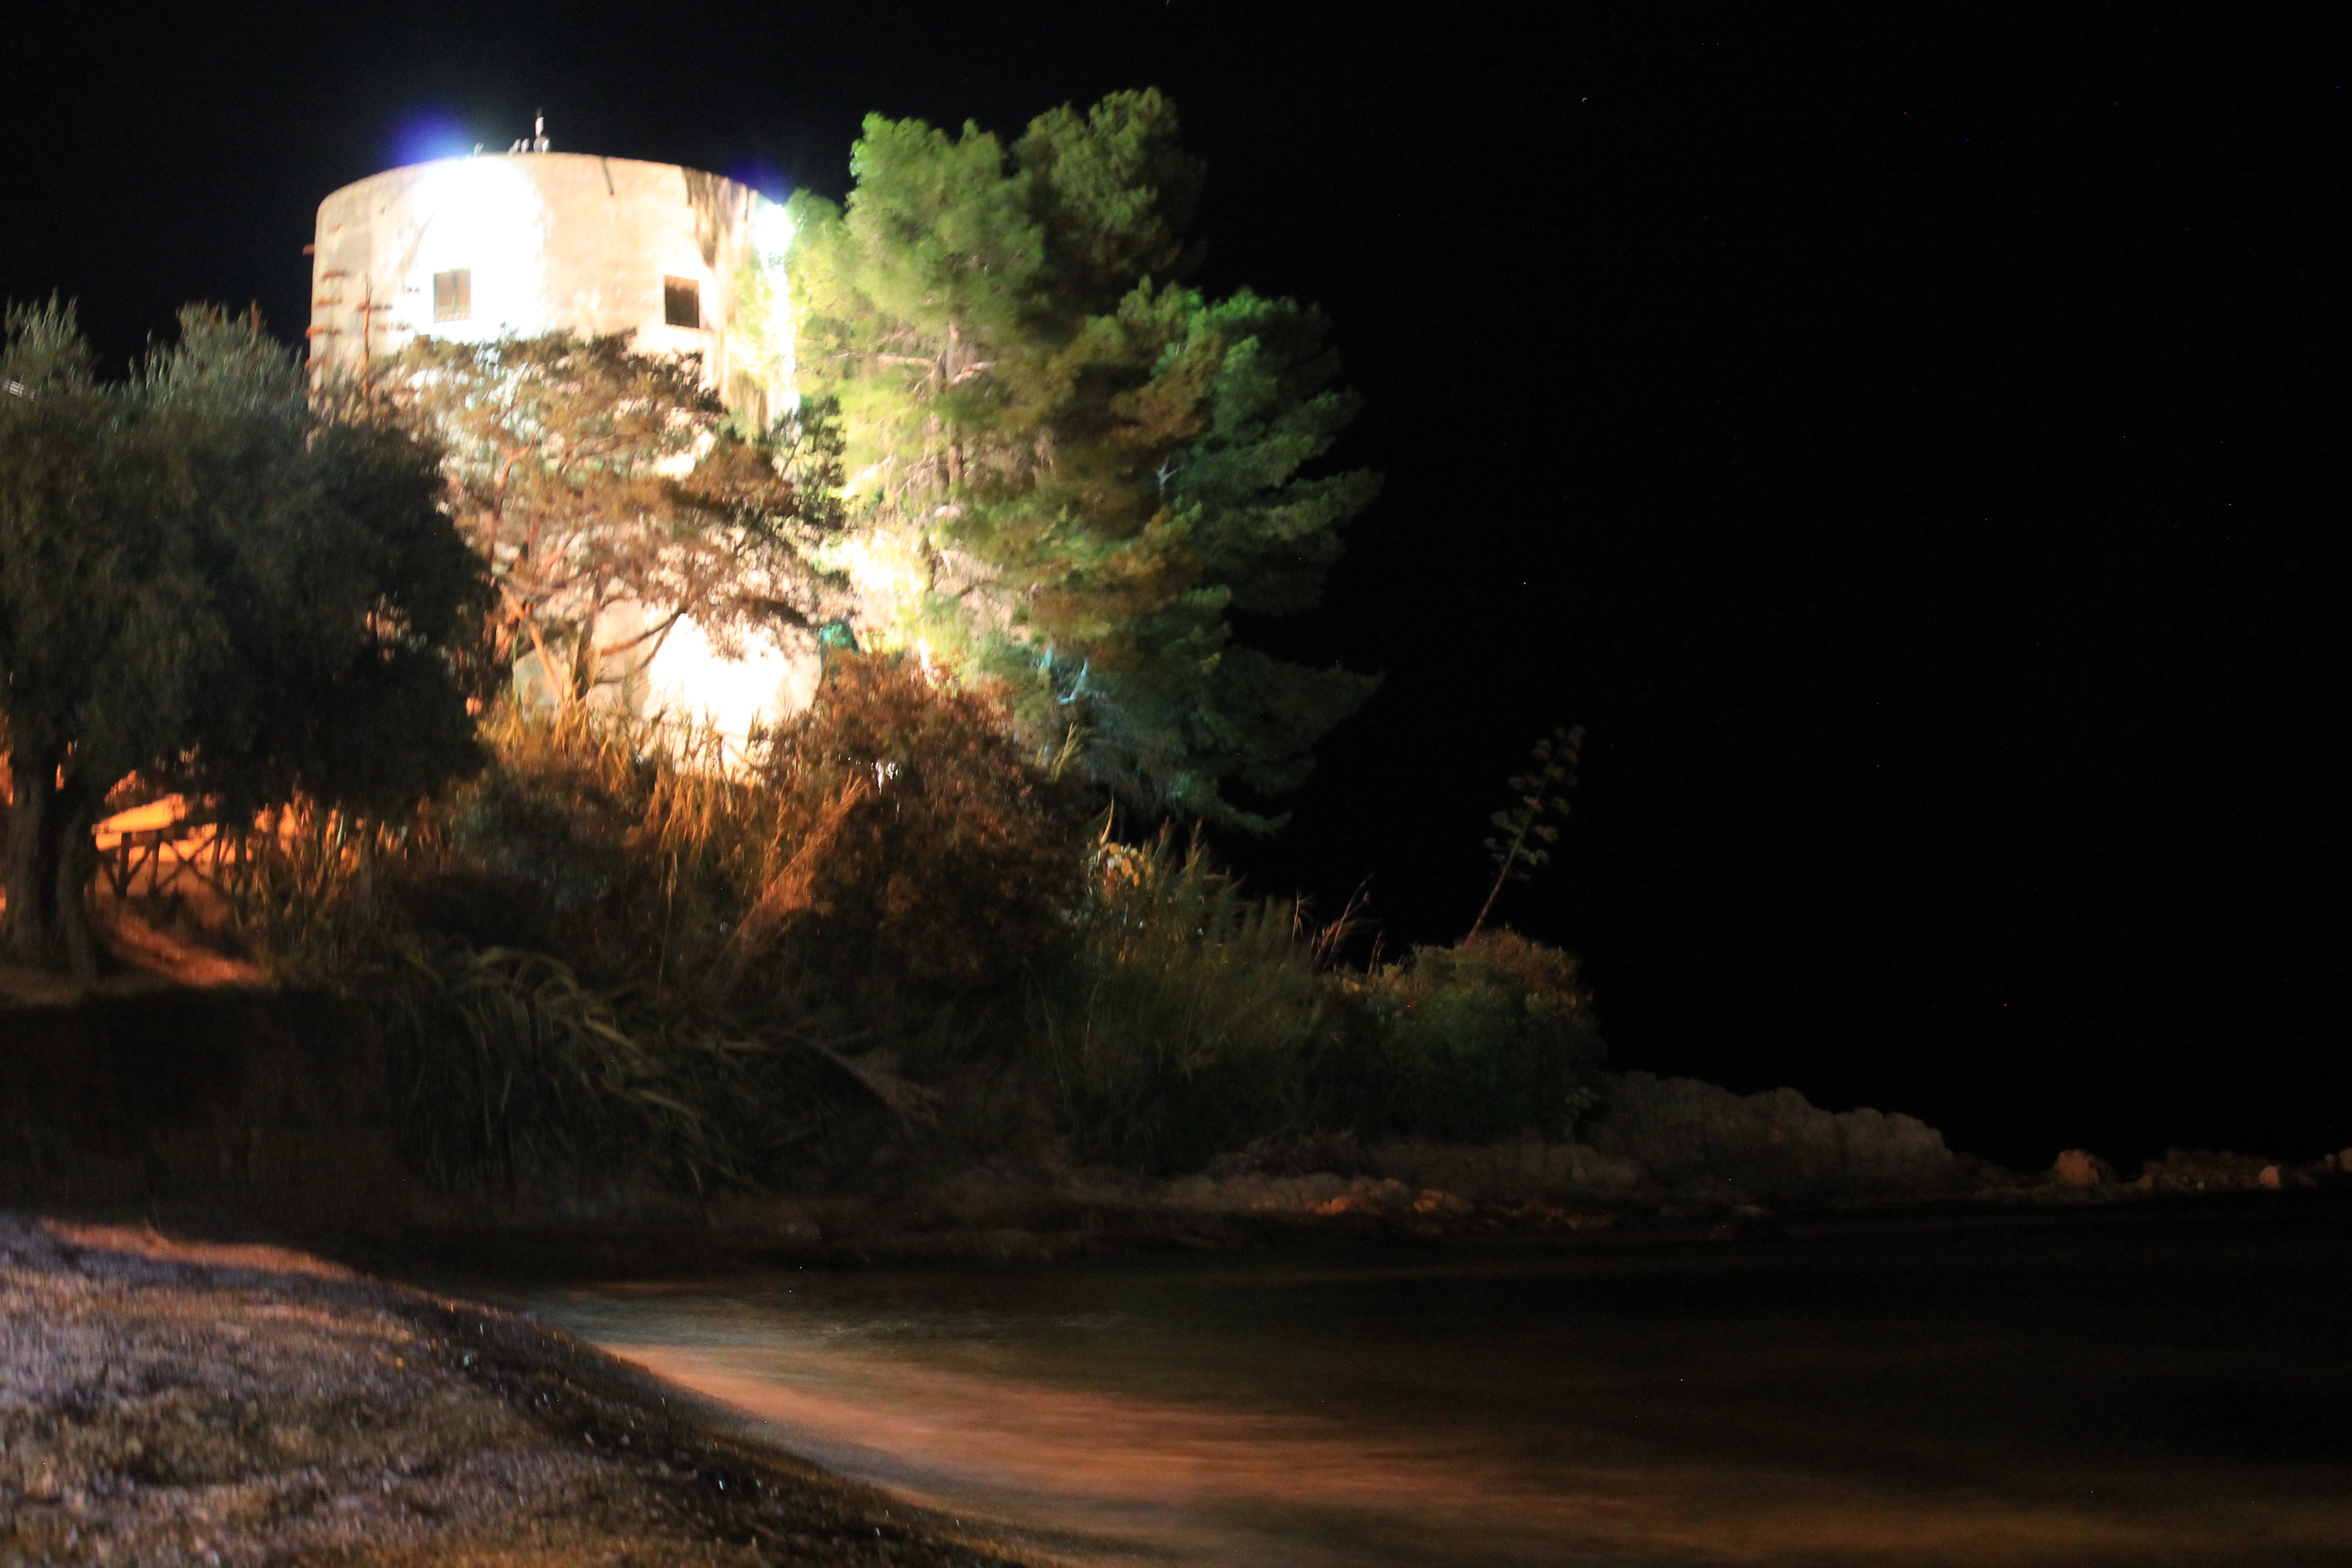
[(1191, 1020), (511, 1066), (1186, 1017), (612, 951), (299, 887), (633, 846), (575, 962)]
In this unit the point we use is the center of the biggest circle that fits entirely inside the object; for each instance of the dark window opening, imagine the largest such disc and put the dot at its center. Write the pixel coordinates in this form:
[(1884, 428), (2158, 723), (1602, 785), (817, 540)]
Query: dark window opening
[(682, 302), (452, 295)]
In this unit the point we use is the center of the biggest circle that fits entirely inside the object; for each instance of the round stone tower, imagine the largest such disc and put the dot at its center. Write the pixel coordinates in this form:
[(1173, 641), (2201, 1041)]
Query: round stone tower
[(529, 241)]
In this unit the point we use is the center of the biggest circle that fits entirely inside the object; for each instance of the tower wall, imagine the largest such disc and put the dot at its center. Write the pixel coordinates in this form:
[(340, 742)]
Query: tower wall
[(548, 240), (569, 240)]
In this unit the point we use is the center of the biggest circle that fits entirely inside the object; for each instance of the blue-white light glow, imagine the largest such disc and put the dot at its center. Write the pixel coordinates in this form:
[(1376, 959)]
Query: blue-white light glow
[(772, 232), (762, 176), (429, 134)]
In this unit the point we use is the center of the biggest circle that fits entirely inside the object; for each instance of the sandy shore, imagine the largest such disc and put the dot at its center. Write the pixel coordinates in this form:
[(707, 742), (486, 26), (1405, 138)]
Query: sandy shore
[(166, 1402)]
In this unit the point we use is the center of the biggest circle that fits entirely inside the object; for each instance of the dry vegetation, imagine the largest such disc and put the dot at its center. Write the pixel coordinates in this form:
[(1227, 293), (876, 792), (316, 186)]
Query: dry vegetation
[(890, 933)]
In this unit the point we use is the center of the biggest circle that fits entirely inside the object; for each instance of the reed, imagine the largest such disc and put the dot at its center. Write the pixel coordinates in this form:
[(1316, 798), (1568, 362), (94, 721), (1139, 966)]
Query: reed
[(613, 949), (510, 1068), (299, 887), (1186, 1019)]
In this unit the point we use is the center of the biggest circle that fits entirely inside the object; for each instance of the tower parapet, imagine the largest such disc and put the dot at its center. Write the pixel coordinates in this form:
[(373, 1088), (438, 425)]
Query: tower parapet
[(528, 242)]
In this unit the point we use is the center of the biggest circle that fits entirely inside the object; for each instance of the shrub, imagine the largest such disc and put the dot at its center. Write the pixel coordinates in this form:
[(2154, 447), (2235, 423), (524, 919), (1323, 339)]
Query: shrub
[(936, 848), (1465, 1043), (1192, 1021), (609, 950), (1182, 1022), (610, 953), (507, 1065)]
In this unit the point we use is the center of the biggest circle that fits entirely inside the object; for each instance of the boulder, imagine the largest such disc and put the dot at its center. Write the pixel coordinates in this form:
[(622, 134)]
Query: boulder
[(2079, 1169), (2212, 1171), (1514, 1170), (1701, 1137)]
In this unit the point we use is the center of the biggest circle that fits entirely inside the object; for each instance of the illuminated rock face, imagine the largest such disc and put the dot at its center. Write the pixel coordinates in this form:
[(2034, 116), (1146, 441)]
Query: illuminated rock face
[(522, 243)]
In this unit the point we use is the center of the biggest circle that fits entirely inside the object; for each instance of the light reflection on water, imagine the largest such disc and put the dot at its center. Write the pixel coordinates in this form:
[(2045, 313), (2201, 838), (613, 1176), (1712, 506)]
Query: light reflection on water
[(2128, 1387)]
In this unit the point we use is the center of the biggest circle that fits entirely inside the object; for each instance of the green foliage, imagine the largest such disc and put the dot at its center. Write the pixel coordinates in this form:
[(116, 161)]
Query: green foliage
[(1191, 1020), (607, 953), (1068, 471), (511, 1066), (1523, 839), (1491, 1038), (613, 496), (210, 581), (301, 886), (610, 952), (1183, 1024), (947, 857)]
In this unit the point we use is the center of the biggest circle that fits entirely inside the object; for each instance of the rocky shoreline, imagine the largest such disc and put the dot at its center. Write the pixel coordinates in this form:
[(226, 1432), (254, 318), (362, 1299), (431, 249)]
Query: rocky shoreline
[(1672, 1157), (175, 1401), (272, 1107), (171, 1404)]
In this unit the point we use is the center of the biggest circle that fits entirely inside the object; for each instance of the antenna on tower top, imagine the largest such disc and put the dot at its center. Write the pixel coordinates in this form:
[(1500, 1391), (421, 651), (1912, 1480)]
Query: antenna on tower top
[(537, 140)]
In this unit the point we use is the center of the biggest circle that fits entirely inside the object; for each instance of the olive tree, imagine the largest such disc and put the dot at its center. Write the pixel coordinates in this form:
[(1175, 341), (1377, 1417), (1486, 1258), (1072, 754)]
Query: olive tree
[(219, 582)]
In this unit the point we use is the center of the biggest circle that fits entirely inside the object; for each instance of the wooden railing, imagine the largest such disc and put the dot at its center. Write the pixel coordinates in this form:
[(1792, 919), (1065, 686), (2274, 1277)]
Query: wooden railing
[(162, 845)]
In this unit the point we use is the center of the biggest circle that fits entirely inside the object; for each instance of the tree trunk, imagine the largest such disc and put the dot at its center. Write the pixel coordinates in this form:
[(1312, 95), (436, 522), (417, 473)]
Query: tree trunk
[(32, 858), (51, 858), (584, 667), (77, 858)]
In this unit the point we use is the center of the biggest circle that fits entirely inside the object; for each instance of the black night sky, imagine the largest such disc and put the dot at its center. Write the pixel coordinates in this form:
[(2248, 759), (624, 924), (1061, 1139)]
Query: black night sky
[(1911, 439)]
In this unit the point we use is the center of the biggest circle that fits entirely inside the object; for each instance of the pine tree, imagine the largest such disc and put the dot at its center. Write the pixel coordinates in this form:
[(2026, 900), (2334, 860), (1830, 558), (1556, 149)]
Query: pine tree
[(208, 582), (1069, 469)]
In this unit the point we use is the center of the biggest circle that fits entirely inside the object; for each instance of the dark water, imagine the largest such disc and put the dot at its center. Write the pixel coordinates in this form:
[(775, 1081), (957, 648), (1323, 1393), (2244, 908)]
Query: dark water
[(2132, 1385)]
